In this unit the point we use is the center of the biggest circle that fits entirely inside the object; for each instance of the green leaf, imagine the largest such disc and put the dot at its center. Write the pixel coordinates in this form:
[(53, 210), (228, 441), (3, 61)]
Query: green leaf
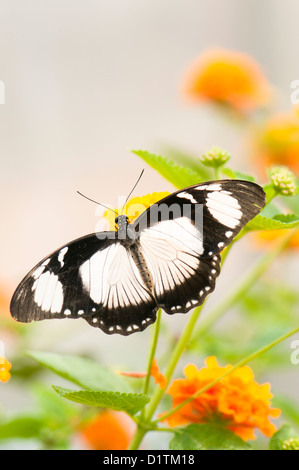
[(284, 438), (233, 174), (82, 371), (25, 427), (278, 222), (128, 402), (291, 202), (185, 158), (179, 176), (206, 437), (270, 191)]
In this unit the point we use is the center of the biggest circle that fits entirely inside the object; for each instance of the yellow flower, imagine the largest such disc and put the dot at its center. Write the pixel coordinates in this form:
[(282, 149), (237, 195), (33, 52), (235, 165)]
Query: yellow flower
[(236, 401), (227, 77), (5, 367), (135, 207)]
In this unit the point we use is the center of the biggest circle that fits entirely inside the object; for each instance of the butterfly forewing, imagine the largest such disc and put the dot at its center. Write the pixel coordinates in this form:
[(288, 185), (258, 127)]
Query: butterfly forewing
[(218, 209)]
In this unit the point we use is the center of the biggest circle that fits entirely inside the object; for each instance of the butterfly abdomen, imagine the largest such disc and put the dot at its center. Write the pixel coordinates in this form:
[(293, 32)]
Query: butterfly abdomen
[(142, 266)]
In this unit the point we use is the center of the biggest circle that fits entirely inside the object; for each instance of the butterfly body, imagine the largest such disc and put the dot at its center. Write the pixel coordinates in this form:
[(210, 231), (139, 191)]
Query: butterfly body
[(168, 258)]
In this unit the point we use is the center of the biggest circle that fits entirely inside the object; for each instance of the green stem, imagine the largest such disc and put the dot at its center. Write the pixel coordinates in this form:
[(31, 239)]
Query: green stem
[(249, 280), (159, 392), (217, 172), (152, 352), (241, 363), (142, 430), (138, 436), (178, 350)]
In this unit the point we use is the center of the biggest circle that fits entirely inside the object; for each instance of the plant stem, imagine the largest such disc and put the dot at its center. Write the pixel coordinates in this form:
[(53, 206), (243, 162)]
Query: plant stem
[(178, 350), (152, 352), (241, 363), (217, 172), (137, 438), (159, 392)]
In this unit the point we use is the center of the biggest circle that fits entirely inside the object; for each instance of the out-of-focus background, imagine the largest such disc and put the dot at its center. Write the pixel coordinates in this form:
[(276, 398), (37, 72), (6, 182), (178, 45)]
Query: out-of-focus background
[(86, 82)]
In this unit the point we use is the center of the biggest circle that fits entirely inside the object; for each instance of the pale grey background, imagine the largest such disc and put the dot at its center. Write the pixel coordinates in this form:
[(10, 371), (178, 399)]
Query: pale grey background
[(85, 82)]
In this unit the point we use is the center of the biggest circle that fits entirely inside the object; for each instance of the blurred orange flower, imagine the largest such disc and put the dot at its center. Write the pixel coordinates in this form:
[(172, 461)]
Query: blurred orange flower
[(236, 401), (227, 77), (4, 301), (262, 238), (277, 142), (135, 207), (109, 430), (5, 367)]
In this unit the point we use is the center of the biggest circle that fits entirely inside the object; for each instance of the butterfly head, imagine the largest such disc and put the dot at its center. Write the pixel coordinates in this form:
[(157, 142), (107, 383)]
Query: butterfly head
[(122, 220)]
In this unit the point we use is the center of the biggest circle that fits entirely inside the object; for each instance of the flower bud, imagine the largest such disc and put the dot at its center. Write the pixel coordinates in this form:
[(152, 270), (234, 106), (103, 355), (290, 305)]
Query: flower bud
[(215, 157), (283, 180)]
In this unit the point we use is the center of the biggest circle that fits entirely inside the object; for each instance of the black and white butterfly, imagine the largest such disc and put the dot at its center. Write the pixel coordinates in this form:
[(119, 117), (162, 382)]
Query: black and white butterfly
[(168, 258)]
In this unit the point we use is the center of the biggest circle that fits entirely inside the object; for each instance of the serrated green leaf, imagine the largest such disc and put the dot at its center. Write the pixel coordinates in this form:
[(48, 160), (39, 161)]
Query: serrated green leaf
[(282, 436), (206, 437), (186, 159), (128, 402), (278, 222), (24, 427), (233, 174), (179, 176), (82, 371), (49, 404)]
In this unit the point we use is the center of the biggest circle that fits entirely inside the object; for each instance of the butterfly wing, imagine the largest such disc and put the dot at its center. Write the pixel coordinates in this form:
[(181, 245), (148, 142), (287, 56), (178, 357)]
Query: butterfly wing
[(217, 209), (182, 235), (95, 279), (181, 277)]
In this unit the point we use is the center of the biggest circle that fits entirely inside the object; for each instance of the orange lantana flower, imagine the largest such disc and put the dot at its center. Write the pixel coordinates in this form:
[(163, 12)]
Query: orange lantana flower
[(227, 77), (159, 378), (236, 401), (277, 142), (135, 207), (5, 367), (109, 430)]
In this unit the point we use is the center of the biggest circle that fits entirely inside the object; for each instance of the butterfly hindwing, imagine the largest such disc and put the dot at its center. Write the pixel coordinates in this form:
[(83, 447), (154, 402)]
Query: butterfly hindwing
[(181, 278), (95, 279)]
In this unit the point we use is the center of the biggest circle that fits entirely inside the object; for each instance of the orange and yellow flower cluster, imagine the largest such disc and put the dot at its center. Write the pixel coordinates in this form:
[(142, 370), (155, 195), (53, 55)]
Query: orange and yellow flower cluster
[(237, 401)]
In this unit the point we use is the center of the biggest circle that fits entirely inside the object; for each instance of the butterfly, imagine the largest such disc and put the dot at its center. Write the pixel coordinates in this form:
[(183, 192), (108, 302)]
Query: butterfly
[(169, 258)]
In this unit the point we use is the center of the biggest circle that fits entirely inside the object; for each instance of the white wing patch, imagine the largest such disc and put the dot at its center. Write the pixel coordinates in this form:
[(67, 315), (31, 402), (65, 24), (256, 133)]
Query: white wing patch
[(48, 292), (171, 250), (188, 196), (112, 279), (224, 208)]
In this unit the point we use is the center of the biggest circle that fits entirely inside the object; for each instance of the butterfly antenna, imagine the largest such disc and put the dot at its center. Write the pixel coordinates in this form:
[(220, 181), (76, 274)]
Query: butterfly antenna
[(132, 190), (92, 200)]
